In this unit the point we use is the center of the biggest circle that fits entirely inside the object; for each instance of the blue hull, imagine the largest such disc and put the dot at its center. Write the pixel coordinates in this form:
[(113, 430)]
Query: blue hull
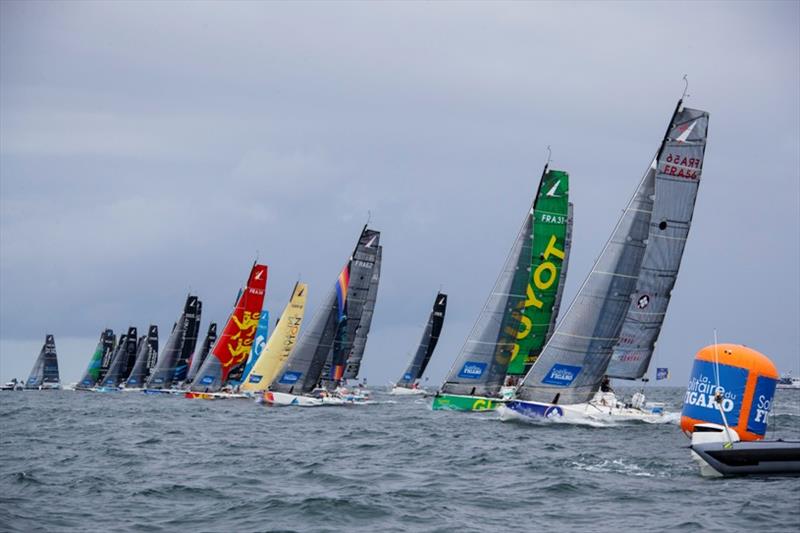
[(534, 409)]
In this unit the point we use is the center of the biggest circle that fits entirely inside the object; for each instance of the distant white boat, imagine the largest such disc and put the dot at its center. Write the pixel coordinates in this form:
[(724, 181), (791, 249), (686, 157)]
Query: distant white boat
[(788, 382)]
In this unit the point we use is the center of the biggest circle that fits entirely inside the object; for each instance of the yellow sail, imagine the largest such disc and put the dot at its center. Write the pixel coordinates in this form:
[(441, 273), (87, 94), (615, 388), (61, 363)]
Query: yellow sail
[(280, 343)]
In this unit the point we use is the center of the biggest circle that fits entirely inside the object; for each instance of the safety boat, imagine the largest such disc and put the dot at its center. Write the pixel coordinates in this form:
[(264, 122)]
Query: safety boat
[(612, 325), (14, 384), (408, 385), (726, 411)]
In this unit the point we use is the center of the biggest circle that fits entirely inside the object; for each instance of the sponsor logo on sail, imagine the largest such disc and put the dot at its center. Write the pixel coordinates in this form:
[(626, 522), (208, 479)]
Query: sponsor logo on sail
[(255, 378), (562, 375), (552, 192), (290, 378), (407, 376), (207, 380), (643, 302), (472, 370)]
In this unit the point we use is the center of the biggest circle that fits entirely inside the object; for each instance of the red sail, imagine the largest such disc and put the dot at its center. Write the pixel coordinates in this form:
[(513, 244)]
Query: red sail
[(234, 345)]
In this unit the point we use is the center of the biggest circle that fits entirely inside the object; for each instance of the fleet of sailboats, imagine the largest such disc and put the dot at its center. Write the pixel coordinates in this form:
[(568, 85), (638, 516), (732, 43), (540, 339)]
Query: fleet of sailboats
[(517, 358)]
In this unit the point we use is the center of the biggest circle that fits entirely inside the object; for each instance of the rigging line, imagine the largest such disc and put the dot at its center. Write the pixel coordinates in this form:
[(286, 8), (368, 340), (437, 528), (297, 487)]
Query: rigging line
[(685, 86), (718, 393)]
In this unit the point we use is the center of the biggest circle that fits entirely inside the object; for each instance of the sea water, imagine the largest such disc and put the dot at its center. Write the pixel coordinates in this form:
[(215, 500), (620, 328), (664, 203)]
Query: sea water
[(77, 461)]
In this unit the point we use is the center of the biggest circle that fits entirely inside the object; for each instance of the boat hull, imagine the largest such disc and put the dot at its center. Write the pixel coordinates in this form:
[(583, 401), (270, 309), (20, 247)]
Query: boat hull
[(405, 391), (719, 459), (456, 402), (282, 399), (519, 409)]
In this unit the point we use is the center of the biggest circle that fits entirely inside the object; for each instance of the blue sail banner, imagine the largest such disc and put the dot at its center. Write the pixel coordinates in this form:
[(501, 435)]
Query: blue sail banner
[(259, 341)]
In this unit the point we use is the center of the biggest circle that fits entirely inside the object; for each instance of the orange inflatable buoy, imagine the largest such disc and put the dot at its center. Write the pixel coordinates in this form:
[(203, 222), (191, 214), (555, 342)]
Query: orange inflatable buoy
[(735, 379)]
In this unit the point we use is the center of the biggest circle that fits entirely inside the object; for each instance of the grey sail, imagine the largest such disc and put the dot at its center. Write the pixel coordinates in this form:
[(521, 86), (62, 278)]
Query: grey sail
[(302, 370), (562, 278), (194, 309), (45, 369), (144, 350), (480, 368), (122, 364), (108, 356), (200, 355), (353, 366), (152, 341), (360, 268), (163, 375), (574, 361), (430, 337), (678, 175), (103, 351)]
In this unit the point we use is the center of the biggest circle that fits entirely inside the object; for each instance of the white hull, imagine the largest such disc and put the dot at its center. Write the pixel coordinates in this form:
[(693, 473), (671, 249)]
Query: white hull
[(405, 391), (282, 399), (604, 407)]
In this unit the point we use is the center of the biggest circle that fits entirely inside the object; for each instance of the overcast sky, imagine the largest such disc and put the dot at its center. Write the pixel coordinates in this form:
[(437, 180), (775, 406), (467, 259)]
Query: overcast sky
[(152, 148)]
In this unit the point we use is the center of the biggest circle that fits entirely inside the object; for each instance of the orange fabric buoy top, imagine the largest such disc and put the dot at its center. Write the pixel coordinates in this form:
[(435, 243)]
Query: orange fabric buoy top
[(746, 380)]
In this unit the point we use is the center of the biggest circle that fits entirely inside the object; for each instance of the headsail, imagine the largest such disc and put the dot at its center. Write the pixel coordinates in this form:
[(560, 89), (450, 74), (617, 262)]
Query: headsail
[(233, 346), (103, 350), (196, 361), (123, 361), (547, 263), (257, 349), (140, 370), (678, 174), (427, 344), (353, 366), (279, 344), (480, 368), (164, 375), (45, 369)]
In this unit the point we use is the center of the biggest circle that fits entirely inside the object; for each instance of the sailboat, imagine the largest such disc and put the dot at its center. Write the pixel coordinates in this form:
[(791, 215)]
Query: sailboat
[(146, 351), (122, 363), (199, 356), (614, 321), (409, 383), (304, 379), (44, 375), (279, 345), (165, 376), (519, 310), (233, 347), (94, 373)]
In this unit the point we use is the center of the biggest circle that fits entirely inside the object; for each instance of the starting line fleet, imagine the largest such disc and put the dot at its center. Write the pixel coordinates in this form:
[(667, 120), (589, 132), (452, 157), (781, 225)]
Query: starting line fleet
[(516, 359)]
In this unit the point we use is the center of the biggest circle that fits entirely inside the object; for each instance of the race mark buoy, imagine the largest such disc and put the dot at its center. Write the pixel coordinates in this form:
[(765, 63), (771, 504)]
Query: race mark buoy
[(746, 386)]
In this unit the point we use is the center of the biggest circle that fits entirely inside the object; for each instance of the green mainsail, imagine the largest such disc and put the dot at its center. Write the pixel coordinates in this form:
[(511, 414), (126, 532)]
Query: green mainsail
[(550, 216)]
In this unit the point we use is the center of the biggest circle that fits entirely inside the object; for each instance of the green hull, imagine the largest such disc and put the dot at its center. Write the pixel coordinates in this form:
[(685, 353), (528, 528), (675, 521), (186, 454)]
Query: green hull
[(455, 402)]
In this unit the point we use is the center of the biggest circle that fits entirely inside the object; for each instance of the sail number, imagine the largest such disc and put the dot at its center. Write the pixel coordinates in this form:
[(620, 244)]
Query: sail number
[(682, 167)]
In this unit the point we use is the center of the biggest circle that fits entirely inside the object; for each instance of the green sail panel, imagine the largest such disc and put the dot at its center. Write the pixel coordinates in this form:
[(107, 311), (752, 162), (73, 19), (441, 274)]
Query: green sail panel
[(548, 259)]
